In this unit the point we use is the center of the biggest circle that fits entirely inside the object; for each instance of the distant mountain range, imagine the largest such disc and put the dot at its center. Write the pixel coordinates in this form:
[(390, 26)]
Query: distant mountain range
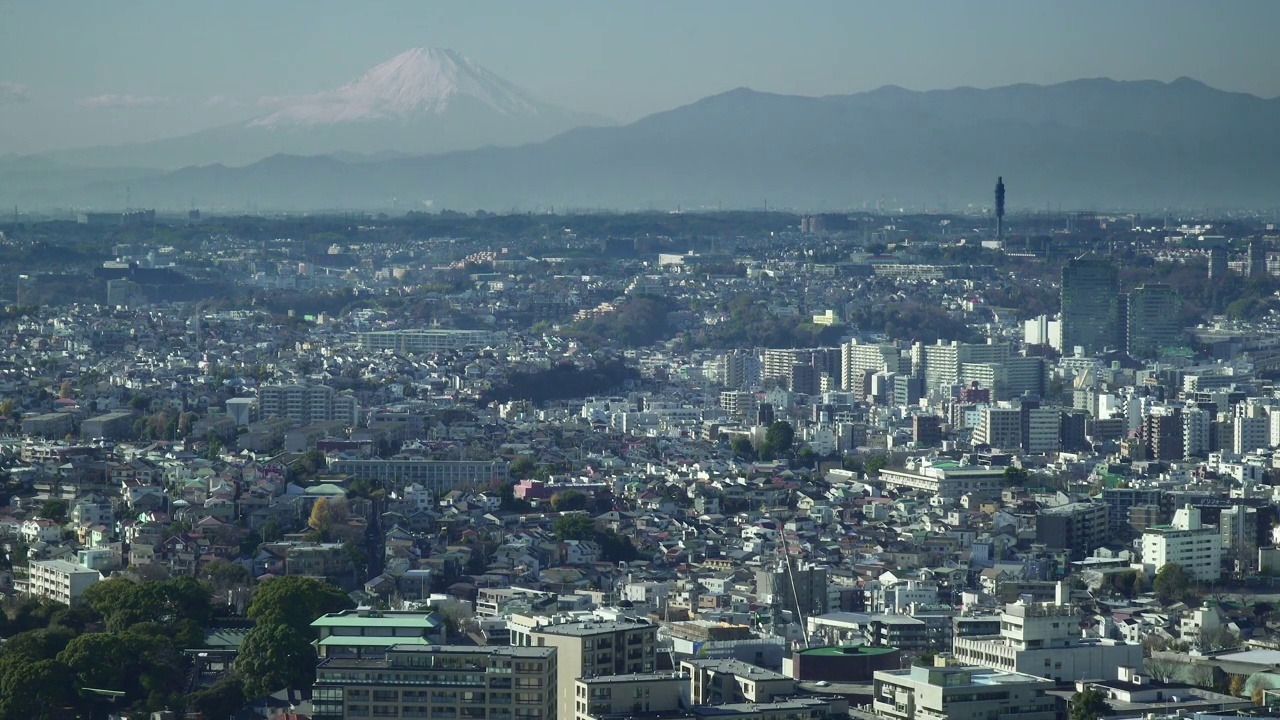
[(1089, 143), (424, 100)]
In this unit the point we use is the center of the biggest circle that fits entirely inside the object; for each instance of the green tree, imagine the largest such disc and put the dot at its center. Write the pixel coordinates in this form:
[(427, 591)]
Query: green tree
[(222, 575), (568, 500), (295, 601), (875, 463), (779, 438), (31, 690), (573, 527), (1172, 584), (523, 467), (1088, 705), (275, 656), (55, 510), (1016, 476), (742, 447), (220, 700)]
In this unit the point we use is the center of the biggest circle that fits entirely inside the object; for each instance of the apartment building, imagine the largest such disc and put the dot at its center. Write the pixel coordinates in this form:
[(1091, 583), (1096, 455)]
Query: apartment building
[(439, 681), (726, 681), (589, 649), (1186, 542), (436, 476), (426, 340), (59, 580), (628, 694), (961, 693)]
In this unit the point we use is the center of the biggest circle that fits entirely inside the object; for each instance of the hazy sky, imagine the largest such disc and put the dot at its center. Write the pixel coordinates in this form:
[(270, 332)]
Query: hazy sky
[(84, 72)]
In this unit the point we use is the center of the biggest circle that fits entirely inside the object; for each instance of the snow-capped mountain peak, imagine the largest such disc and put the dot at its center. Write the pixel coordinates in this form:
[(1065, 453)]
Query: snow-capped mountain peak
[(421, 81)]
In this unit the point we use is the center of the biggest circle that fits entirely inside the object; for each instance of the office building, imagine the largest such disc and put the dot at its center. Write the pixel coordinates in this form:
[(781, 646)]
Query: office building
[(965, 692), (440, 681), (722, 682), (1000, 427), (59, 580), (1256, 262), (1186, 542), (589, 649), (1043, 639), (1043, 432), (1153, 320), (1090, 305), (1217, 264)]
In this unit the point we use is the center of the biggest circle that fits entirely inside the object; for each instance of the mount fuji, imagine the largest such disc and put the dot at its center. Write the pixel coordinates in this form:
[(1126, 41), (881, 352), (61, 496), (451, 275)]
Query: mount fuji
[(424, 100)]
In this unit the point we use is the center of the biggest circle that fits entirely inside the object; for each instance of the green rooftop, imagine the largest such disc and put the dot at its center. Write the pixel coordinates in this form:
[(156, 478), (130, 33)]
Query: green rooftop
[(389, 620), (372, 641), (843, 650)]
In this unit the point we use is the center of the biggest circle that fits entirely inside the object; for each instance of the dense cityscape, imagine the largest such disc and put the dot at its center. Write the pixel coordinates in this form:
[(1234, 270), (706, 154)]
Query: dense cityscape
[(791, 465), (726, 360)]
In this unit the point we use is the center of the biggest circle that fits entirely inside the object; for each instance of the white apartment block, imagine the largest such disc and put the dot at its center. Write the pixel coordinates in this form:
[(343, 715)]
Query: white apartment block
[(60, 580), (1185, 542)]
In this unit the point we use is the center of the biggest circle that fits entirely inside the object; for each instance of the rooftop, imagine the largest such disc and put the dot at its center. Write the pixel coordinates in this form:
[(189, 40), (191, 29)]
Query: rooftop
[(846, 650)]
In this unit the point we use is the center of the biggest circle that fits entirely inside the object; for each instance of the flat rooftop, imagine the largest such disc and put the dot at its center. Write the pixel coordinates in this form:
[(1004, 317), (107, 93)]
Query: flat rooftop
[(846, 650)]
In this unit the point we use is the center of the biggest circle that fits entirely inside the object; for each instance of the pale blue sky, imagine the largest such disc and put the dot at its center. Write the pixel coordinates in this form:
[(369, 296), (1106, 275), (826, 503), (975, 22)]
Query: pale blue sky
[(86, 72)]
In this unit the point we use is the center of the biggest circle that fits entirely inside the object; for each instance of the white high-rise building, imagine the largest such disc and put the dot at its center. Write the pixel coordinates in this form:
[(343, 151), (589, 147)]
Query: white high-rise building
[(1196, 423), (1186, 542)]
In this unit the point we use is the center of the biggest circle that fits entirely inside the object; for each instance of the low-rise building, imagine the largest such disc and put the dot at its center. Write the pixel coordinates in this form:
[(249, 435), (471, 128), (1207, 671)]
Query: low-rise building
[(60, 580), (961, 693)]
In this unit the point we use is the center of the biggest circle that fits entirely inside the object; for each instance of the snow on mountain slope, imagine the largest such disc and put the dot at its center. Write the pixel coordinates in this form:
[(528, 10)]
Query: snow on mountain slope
[(421, 81)]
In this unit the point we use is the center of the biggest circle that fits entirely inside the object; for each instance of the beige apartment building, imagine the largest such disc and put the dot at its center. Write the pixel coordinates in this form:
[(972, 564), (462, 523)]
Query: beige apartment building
[(629, 694), (589, 649), (446, 682)]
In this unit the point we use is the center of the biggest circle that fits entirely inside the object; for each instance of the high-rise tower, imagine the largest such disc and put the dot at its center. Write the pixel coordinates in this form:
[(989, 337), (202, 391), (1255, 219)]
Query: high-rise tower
[(1000, 208), (1091, 316)]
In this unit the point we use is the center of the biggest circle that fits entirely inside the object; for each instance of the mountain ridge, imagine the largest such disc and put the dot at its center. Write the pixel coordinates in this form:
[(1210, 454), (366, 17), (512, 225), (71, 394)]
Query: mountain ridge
[(1085, 143)]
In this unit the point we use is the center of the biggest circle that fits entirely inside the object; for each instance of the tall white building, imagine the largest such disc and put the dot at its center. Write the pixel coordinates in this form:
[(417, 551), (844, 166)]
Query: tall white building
[(1251, 433), (1187, 542), (1044, 431), (1196, 423), (858, 359)]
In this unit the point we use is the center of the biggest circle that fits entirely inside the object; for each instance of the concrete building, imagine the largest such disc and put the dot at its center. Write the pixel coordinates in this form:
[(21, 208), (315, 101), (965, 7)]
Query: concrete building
[(367, 633), (721, 682), (860, 359), (1043, 639), (428, 340), (1000, 427), (841, 663), (802, 590), (630, 694), (110, 426), (589, 649), (434, 475), (1238, 526), (1043, 430), (1077, 527), (59, 580), (305, 403), (947, 479), (1090, 305), (1185, 542), (961, 693), (413, 681), (940, 364), (48, 425), (1154, 320)]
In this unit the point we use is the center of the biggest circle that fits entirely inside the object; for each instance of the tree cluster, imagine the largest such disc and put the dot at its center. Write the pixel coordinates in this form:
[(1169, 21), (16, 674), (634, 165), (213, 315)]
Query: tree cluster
[(278, 653)]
